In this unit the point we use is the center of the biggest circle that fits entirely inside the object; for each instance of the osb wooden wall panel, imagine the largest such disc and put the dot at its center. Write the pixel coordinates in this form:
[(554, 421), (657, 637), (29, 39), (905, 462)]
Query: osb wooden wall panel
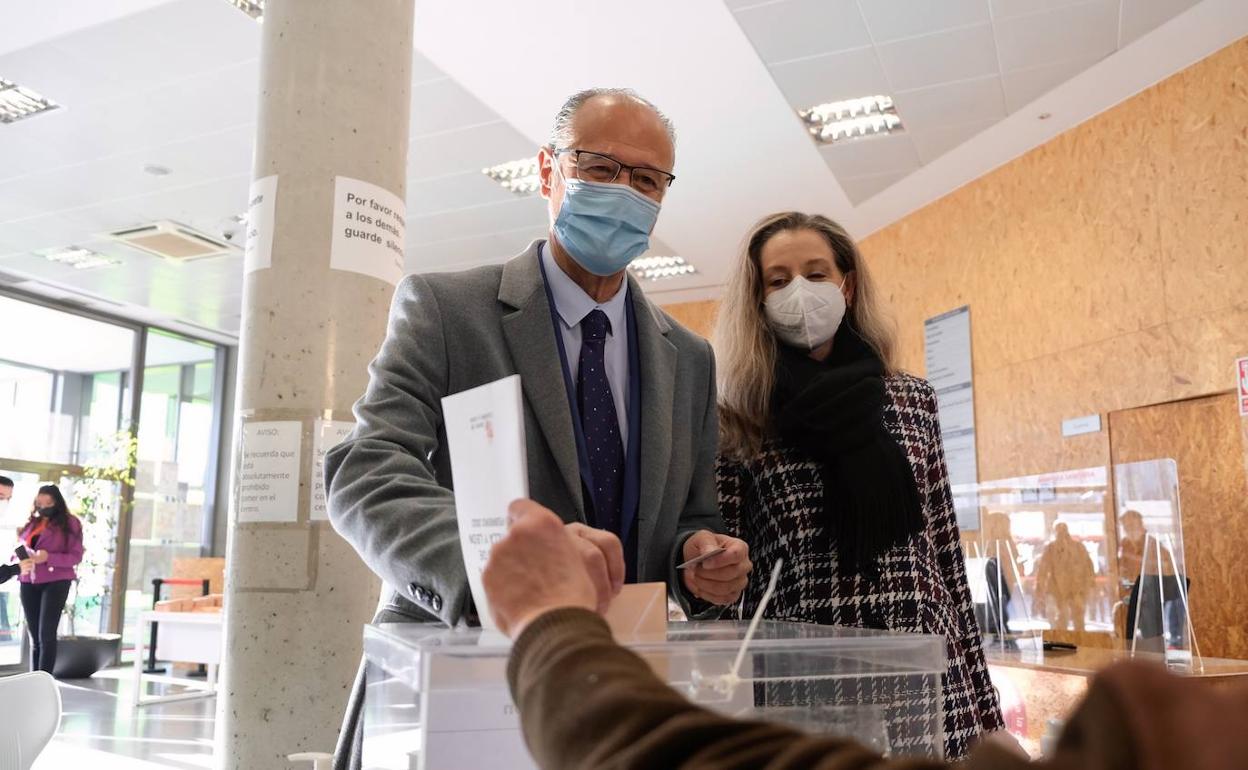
[(697, 317), (1204, 144), (210, 568), (1204, 436), (1105, 270)]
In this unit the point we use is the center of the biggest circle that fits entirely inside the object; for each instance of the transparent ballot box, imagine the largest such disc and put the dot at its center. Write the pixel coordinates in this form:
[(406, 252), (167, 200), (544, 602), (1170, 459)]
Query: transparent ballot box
[(437, 698)]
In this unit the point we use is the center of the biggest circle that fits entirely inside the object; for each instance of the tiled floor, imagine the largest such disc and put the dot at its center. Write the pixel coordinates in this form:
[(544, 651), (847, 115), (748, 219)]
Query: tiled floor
[(100, 731)]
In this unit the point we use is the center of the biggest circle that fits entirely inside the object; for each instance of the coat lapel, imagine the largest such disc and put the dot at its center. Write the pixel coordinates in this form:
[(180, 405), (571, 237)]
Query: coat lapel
[(530, 336), (658, 378)]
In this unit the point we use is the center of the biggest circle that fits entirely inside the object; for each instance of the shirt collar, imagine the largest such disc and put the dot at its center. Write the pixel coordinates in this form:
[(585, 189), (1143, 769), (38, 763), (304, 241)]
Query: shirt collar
[(573, 304)]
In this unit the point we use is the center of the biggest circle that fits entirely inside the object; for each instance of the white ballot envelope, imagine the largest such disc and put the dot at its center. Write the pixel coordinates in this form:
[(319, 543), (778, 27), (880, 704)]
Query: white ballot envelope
[(485, 436)]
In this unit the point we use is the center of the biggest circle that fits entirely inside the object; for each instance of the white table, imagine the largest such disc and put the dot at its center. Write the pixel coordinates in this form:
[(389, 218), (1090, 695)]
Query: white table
[(192, 637)]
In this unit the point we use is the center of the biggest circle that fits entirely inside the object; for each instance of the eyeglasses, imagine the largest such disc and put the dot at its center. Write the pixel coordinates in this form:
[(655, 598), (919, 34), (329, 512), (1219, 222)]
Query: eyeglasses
[(596, 167)]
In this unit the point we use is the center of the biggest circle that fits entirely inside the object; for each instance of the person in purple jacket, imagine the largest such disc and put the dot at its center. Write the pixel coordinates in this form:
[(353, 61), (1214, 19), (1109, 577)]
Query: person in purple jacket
[(53, 540)]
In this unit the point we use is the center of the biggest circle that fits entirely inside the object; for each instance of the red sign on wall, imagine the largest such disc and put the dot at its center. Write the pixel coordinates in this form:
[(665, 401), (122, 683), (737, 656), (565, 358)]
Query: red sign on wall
[(1241, 377)]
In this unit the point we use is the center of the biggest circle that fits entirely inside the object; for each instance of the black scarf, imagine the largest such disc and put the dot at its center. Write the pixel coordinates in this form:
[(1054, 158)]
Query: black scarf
[(833, 411)]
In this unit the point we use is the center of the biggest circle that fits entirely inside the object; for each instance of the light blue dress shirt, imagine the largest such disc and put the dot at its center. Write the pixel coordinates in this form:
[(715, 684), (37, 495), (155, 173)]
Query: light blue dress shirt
[(572, 304)]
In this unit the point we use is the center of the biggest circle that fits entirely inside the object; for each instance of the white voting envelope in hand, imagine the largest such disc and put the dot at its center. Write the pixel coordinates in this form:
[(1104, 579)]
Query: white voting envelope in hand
[(485, 435)]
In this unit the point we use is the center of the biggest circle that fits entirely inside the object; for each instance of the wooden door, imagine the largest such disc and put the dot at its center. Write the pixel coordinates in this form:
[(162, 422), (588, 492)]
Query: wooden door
[(1204, 437)]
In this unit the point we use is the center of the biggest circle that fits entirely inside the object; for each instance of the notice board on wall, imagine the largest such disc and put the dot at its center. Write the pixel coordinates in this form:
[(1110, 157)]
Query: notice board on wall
[(947, 347)]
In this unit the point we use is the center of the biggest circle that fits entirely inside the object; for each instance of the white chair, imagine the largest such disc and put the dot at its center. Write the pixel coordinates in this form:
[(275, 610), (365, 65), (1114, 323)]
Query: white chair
[(32, 715)]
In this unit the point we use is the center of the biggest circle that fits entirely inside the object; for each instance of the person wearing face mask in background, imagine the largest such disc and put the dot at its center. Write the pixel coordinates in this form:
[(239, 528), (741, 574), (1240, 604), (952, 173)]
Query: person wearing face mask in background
[(619, 399), (53, 540), (6, 570), (831, 460)]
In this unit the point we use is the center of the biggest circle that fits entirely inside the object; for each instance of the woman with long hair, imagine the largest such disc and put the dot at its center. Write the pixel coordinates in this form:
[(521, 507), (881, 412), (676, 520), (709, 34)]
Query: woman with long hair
[(53, 540), (831, 459)]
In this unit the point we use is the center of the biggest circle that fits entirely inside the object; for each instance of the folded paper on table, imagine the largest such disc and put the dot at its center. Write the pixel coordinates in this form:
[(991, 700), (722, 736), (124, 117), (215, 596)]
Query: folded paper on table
[(485, 436)]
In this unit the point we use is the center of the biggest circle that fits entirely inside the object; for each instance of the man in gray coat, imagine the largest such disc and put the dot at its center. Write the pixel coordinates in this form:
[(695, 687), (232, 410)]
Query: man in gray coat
[(619, 399)]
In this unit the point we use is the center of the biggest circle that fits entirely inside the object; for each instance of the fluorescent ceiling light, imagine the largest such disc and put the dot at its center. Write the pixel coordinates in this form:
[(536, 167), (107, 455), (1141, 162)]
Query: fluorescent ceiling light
[(656, 268), (521, 177), (18, 102), (851, 119), (253, 8), (79, 258)]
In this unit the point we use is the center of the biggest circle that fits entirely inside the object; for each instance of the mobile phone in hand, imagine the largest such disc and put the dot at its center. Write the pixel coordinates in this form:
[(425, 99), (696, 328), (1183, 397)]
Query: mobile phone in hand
[(21, 552)]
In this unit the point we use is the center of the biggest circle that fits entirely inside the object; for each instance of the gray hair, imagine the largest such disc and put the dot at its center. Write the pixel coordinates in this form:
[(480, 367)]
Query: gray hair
[(561, 133)]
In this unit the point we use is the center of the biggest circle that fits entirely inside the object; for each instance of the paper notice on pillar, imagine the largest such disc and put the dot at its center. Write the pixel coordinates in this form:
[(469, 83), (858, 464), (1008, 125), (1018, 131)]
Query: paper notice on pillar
[(268, 481), (261, 208), (485, 435), (326, 434), (369, 227)]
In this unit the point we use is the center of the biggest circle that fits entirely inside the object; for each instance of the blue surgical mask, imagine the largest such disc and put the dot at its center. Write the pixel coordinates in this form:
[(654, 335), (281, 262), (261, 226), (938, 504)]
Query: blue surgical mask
[(604, 226)]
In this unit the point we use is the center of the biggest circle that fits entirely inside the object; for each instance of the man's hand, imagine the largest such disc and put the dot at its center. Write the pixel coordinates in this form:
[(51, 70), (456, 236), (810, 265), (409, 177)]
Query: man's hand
[(539, 566), (720, 579), (603, 556)]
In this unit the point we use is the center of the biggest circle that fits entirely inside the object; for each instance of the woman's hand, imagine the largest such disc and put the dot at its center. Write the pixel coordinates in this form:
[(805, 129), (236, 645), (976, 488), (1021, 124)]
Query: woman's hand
[(27, 565), (39, 557)]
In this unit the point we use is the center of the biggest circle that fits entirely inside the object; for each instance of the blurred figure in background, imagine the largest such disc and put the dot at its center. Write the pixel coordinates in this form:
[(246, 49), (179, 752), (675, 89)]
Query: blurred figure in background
[(1065, 577), (53, 539)]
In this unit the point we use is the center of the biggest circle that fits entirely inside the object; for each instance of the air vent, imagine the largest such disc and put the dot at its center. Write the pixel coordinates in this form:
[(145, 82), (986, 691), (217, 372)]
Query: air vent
[(172, 241)]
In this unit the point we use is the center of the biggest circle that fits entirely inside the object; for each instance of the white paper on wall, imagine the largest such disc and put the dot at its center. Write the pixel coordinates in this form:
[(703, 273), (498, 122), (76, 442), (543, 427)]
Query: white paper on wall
[(261, 214), (326, 434), (268, 479), (369, 229)]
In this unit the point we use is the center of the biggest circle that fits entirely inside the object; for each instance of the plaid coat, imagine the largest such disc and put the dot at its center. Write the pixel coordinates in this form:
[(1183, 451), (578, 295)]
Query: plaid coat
[(775, 503)]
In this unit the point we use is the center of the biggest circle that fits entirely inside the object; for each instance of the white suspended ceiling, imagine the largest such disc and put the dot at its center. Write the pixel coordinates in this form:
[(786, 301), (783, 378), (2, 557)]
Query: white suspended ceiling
[(173, 83)]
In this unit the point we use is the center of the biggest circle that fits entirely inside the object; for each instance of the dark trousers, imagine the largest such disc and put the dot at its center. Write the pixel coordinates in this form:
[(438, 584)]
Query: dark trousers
[(43, 603)]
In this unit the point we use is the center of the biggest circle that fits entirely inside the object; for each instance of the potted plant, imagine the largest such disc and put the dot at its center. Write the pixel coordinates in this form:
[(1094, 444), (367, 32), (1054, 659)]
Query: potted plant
[(99, 494)]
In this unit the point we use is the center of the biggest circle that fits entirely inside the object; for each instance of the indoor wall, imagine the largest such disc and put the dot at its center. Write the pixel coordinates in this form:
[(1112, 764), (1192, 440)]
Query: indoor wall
[(1105, 270)]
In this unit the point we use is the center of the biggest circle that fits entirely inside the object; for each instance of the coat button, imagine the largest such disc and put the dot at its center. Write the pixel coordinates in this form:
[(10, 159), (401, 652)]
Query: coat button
[(436, 603), (417, 591)]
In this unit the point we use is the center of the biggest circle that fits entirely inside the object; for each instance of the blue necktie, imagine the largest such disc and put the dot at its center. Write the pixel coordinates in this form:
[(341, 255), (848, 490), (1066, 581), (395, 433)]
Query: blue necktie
[(600, 423)]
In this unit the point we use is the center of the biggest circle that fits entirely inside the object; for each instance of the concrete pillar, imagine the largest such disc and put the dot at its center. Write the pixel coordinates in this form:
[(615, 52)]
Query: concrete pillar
[(334, 102)]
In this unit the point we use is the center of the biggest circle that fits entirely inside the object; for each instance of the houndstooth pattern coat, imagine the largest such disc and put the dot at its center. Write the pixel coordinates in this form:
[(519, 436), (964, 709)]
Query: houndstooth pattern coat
[(775, 503)]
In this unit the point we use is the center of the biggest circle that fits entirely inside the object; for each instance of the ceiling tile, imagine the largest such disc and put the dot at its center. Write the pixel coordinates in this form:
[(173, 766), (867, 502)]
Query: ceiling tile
[(444, 105), (795, 28), (1022, 87), (470, 188), (121, 176), (738, 4), (51, 72), (859, 189), (1073, 32), (1139, 17), (961, 54), (894, 19), (480, 220), (871, 155), (424, 70), (23, 151), (1006, 8), (935, 142), (953, 104), (470, 149), (42, 232), (212, 101), (160, 47), (468, 252), (830, 78)]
